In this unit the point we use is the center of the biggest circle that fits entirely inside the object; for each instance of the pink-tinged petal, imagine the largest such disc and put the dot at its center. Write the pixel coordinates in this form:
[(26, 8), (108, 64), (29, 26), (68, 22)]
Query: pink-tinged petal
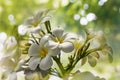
[(67, 47), (58, 32), (33, 63), (46, 63), (34, 50)]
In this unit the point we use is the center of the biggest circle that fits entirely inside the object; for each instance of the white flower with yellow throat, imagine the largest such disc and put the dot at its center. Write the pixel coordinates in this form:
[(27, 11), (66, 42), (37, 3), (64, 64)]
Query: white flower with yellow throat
[(41, 55)]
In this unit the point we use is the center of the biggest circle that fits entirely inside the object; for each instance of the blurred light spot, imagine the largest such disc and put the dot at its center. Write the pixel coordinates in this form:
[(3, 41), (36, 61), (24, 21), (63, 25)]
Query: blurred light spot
[(83, 21), (115, 8), (72, 1), (86, 6), (101, 2), (91, 17), (11, 19), (118, 36), (76, 17), (1, 8), (8, 2), (118, 67), (64, 2)]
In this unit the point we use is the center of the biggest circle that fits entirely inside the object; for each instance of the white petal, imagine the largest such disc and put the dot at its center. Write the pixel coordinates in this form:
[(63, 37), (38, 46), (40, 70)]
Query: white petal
[(29, 21), (34, 50), (38, 15), (71, 37), (33, 63), (51, 44), (67, 47), (53, 77), (36, 30), (46, 63), (44, 39), (22, 30), (58, 32), (10, 43), (54, 52), (1, 48), (12, 76), (46, 18), (3, 37)]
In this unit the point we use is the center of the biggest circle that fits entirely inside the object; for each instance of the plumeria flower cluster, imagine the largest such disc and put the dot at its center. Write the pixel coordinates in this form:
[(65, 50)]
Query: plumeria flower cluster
[(40, 46)]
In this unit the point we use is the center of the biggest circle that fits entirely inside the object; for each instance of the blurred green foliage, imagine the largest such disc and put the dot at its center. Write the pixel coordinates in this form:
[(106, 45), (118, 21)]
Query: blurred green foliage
[(107, 13)]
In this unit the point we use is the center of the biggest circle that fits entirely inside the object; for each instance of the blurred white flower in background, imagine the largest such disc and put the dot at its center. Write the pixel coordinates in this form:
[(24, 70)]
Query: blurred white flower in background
[(9, 56), (33, 24)]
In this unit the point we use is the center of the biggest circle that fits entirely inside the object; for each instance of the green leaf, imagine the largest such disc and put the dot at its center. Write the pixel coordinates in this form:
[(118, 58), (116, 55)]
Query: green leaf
[(83, 61), (92, 61)]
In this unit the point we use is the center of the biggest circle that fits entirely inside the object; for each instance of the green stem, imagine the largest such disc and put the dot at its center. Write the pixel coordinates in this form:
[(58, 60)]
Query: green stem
[(57, 60), (92, 50), (48, 27)]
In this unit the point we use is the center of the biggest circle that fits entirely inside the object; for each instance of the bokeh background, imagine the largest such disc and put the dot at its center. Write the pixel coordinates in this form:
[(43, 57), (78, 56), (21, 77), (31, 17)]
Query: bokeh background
[(73, 15)]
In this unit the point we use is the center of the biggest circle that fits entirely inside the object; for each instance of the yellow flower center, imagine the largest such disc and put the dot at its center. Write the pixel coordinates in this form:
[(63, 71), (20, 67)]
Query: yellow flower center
[(35, 24), (77, 44), (43, 52), (60, 40)]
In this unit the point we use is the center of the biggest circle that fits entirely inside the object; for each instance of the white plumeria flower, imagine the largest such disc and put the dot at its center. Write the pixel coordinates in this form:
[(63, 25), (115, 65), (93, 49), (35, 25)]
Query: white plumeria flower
[(33, 24), (40, 55), (64, 41)]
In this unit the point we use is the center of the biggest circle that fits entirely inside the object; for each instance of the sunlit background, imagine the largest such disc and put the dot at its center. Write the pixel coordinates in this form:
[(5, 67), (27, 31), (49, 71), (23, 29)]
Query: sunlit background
[(74, 15)]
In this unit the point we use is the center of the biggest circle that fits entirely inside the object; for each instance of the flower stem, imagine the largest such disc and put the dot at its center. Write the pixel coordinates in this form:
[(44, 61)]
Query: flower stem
[(57, 60)]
